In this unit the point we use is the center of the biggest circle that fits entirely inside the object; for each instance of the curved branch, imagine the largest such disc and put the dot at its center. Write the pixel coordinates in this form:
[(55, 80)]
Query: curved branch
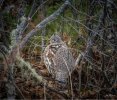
[(42, 24)]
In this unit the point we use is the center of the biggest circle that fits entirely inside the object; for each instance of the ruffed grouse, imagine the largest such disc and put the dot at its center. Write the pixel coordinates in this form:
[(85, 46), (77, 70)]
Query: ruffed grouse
[(58, 59)]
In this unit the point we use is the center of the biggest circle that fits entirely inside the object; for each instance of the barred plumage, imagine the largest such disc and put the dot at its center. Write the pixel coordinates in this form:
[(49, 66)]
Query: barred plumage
[(58, 59)]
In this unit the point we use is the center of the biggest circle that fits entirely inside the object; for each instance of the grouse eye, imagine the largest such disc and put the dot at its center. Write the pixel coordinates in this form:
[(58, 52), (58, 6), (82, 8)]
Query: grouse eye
[(54, 40)]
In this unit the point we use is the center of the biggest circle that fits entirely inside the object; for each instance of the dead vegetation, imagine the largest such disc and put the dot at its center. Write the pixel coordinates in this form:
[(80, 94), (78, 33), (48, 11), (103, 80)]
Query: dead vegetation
[(89, 28)]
